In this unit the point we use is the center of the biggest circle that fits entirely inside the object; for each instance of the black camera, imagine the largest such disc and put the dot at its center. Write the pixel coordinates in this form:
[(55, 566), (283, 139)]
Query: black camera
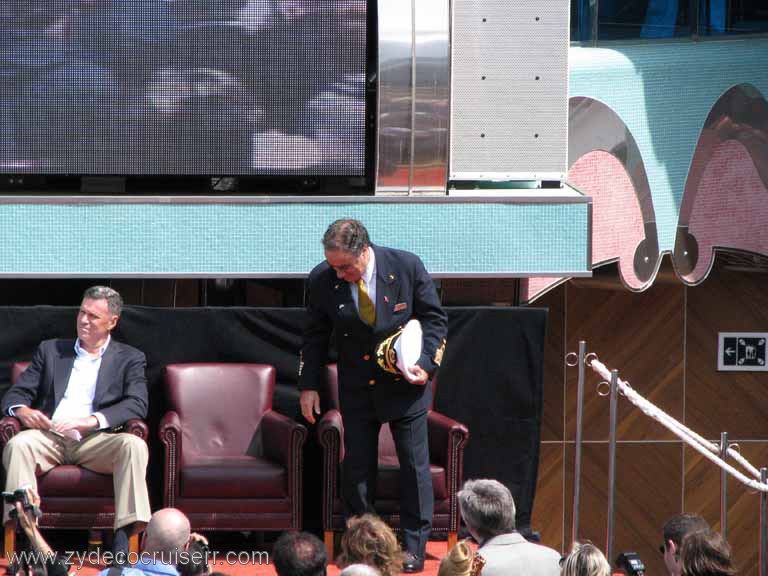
[(18, 495), (631, 564)]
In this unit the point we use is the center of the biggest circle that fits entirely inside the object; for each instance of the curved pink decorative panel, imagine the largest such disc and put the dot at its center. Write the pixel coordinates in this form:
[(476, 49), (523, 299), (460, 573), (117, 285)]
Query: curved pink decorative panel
[(617, 220), (725, 190), (731, 208)]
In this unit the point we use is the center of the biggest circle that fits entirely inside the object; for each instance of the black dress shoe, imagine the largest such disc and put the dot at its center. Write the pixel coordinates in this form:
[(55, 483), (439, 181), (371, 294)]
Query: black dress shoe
[(413, 563)]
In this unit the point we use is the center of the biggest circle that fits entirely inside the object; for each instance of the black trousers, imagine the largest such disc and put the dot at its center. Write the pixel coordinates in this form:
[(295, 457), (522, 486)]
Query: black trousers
[(361, 442)]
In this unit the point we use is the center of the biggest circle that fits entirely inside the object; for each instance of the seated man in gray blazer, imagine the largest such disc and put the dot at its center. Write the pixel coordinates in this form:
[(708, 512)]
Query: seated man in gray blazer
[(488, 510), (69, 397)]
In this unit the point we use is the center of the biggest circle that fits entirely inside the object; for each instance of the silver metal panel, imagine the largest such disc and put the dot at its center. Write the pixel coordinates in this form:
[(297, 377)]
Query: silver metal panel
[(431, 90), (509, 87), (594, 126), (613, 419), (506, 176), (741, 114), (395, 101)]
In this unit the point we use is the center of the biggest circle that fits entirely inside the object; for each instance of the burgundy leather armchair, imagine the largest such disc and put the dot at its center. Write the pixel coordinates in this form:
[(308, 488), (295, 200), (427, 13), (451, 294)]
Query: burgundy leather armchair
[(447, 439), (231, 462), (72, 497)]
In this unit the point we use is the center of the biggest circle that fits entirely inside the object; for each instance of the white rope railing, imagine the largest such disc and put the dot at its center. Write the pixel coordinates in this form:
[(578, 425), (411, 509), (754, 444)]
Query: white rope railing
[(706, 448)]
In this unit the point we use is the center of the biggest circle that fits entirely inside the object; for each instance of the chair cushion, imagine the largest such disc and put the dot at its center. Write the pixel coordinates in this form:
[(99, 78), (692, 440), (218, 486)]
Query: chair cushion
[(231, 477), (75, 482), (388, 485), (209, 401)]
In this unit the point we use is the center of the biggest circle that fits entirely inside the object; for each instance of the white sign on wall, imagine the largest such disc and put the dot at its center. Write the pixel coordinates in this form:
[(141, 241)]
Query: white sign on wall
[(742, 351)]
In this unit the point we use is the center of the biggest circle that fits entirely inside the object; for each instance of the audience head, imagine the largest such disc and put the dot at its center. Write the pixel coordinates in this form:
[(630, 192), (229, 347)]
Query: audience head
[(368, 540), (675, 531), (359, 570), (585, 560), (706, 553), (196, 560), (488, 509), (461, 561), (167, 533), (299, 554)]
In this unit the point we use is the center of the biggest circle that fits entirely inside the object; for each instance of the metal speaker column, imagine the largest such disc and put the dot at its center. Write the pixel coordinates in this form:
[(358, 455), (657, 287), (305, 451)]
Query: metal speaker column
[(509, 90)]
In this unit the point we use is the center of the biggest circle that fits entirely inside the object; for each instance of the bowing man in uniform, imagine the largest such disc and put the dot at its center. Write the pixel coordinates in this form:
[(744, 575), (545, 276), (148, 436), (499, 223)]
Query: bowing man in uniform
[(365, 293)]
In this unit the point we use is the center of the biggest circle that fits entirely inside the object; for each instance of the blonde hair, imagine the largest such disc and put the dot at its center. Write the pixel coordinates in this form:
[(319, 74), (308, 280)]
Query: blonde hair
[(461, 561), (585, 560), (368, 540)]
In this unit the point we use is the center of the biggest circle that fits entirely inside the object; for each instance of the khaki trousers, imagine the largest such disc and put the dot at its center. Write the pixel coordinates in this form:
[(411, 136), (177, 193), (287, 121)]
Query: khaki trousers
[(32, 453)]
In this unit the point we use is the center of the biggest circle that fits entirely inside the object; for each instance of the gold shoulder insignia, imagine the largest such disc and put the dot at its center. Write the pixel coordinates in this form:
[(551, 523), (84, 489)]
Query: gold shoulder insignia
[(439, 353)]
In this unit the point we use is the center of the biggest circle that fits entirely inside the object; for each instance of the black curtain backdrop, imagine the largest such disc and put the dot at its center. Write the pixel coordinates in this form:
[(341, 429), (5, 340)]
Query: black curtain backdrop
[(491, 377)]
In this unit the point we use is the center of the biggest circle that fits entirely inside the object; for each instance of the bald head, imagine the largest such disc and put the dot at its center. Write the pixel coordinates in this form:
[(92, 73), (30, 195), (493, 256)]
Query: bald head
[(168, 531)]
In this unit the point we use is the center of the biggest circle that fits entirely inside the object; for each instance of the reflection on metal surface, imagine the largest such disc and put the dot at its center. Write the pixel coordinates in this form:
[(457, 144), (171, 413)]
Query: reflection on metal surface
[(686, 253), (431, 112), (646, 254), (395, 121), (741, 114), (594, 126), (413, 81)]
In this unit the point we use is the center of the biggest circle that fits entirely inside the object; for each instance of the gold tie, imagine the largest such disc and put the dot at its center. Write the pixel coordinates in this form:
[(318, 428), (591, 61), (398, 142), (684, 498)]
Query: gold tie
[(364, 304)]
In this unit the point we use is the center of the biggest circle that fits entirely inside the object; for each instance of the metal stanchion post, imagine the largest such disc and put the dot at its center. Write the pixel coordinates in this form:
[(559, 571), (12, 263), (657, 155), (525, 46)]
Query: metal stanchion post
[(724, 486), (577, 447), (763, 519), (612, 461)]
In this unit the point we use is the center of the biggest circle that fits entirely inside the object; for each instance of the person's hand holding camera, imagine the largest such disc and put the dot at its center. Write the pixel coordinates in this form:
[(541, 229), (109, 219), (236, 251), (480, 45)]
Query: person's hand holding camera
[(27, 512)]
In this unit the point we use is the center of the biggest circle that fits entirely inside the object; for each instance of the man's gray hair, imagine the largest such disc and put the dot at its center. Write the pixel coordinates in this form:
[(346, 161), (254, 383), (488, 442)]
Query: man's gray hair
[(113, 298), (347, 235), (360, 570), (487, 507)]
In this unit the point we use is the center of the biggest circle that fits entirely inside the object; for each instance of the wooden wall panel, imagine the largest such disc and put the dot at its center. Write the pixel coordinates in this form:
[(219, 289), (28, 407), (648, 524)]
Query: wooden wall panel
[(733, 402), (552, 426), (641, 335), (648, 492), (166, 292), (548, 512), (664, 343)]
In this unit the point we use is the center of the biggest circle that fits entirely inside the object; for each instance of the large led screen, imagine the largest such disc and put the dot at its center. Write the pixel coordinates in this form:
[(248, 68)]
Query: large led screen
[(222, 87)]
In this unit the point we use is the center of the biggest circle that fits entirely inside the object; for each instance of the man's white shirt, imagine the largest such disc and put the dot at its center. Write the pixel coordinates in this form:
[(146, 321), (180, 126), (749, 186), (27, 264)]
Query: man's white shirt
[(81, 389)]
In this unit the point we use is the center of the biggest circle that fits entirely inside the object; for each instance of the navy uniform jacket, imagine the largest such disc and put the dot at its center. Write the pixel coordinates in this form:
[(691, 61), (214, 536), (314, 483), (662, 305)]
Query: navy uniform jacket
[(121, 386), (404, 290)]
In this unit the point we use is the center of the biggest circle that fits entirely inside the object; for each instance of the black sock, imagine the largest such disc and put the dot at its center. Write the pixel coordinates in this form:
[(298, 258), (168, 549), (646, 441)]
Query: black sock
[(120, 543)]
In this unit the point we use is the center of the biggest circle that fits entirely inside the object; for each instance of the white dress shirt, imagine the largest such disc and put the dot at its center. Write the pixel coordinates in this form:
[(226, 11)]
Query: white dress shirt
[(369, 280), (81, 388)]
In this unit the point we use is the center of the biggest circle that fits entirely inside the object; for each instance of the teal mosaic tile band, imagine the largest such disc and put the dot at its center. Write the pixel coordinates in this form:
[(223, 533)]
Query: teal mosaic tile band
[(663, 92), (283, 239)]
